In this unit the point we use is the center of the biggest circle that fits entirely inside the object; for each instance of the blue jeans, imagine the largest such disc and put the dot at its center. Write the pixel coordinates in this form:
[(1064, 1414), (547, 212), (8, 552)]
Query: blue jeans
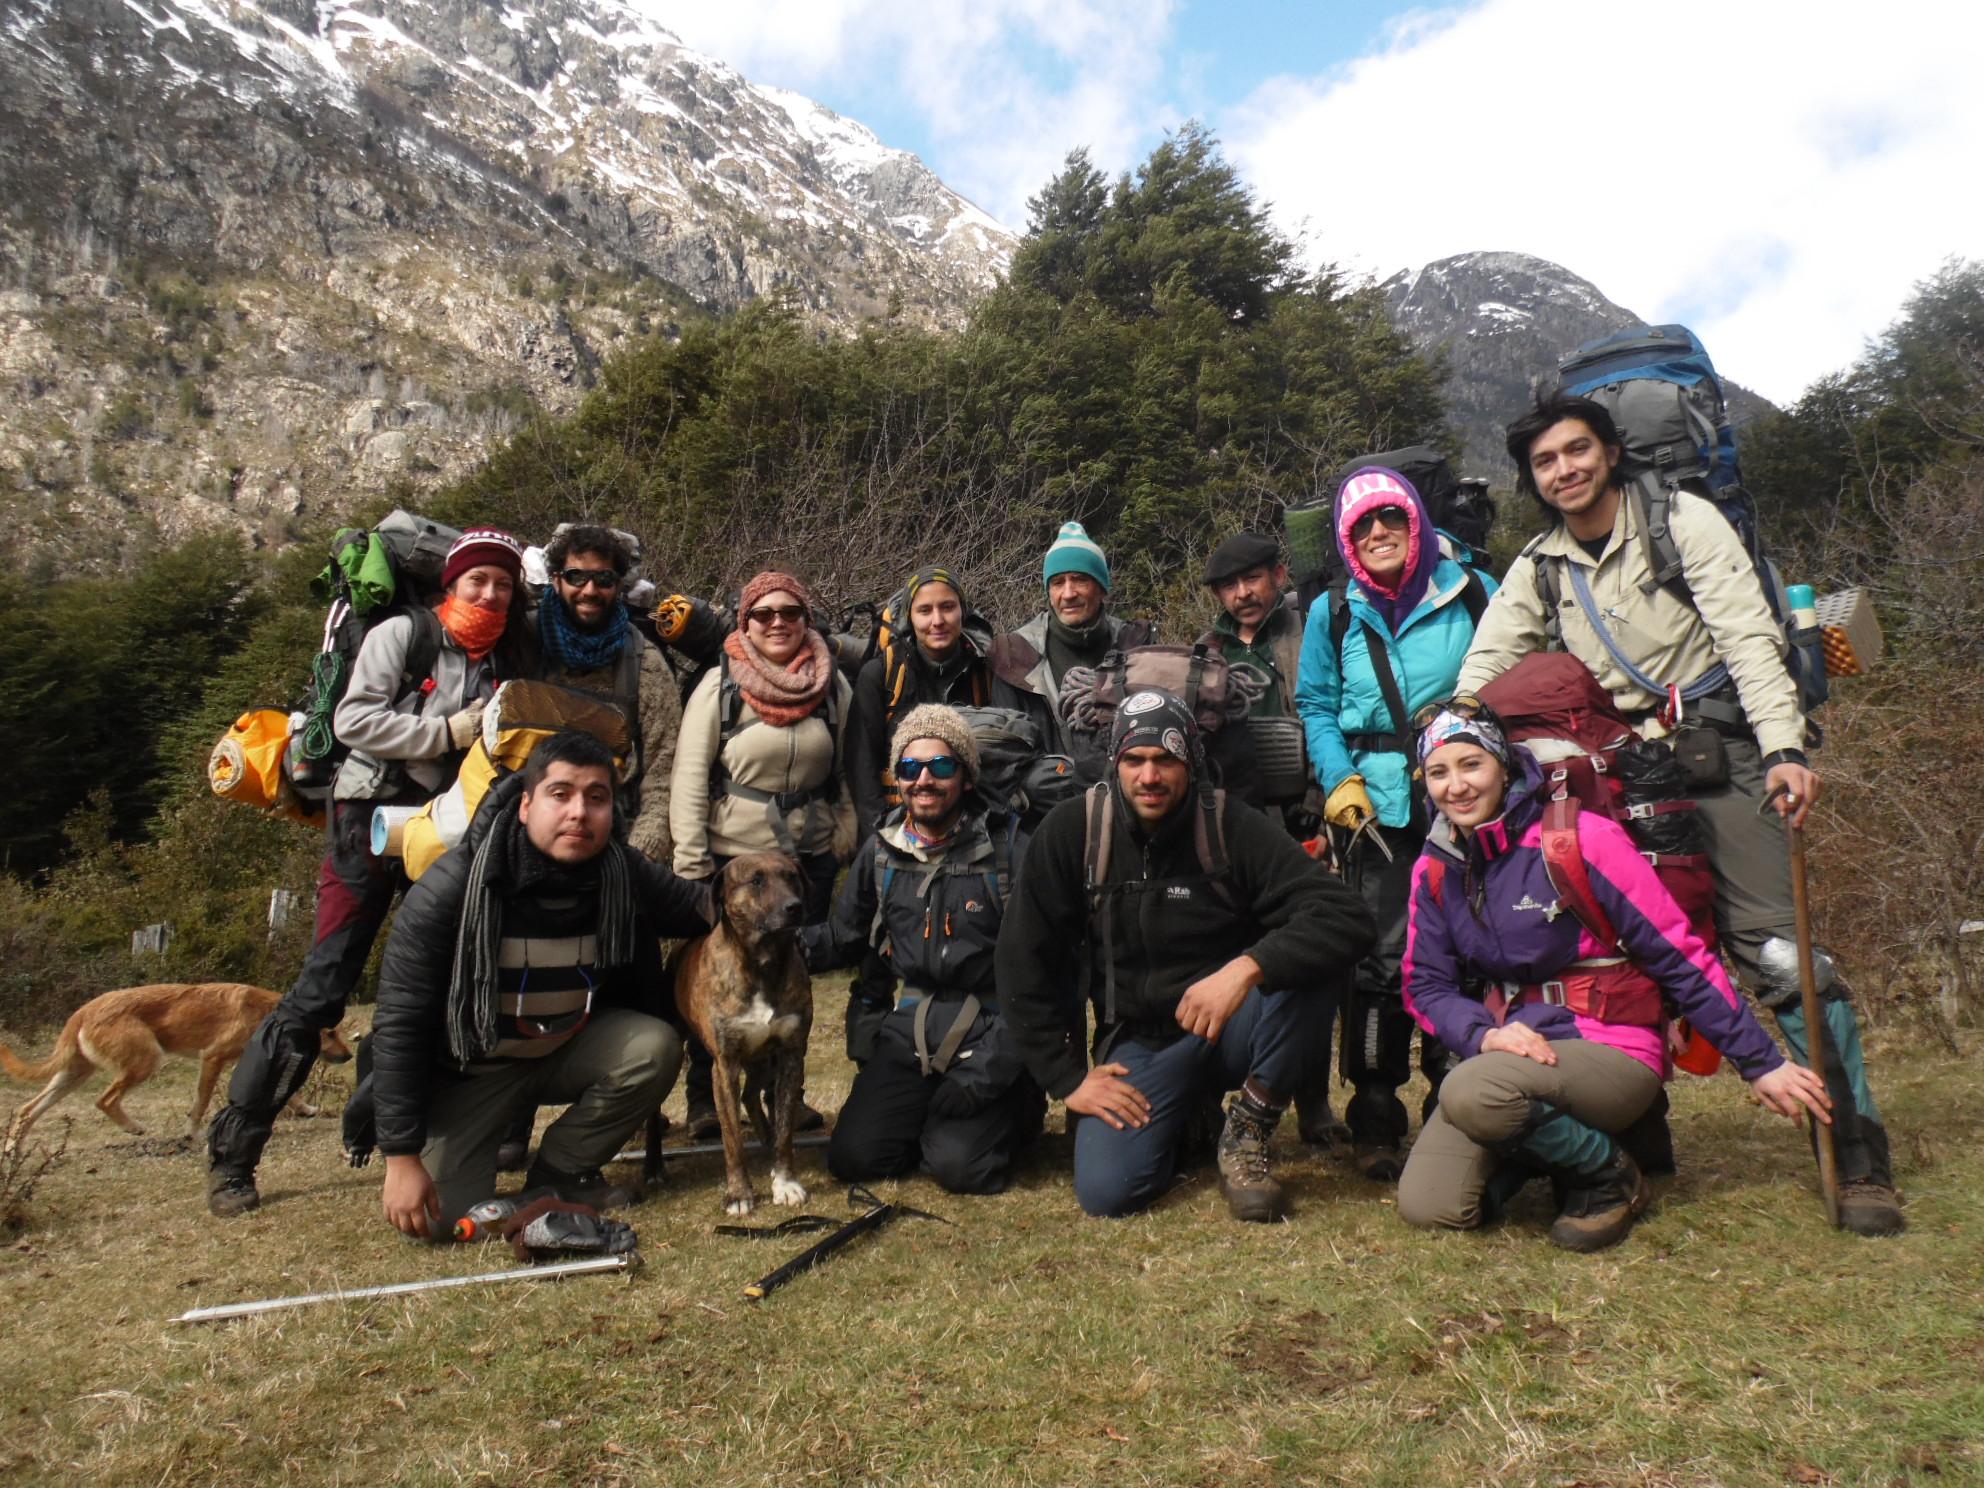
[(1276, 1038)]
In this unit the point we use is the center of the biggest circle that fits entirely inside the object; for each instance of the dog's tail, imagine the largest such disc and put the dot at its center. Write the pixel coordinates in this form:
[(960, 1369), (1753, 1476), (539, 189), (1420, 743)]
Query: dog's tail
[(20, 1070)]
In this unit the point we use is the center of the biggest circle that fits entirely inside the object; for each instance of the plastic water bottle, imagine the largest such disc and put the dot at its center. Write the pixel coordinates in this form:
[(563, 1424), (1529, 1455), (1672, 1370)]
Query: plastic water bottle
[(1804, 606), (485, 1219)]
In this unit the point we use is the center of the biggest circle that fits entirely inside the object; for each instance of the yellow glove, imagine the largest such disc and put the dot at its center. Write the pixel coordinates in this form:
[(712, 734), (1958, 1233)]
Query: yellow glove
[(1349, 804)]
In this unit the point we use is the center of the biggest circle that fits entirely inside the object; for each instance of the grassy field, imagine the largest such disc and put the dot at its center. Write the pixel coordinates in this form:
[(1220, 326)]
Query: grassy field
[(1733, 1339)]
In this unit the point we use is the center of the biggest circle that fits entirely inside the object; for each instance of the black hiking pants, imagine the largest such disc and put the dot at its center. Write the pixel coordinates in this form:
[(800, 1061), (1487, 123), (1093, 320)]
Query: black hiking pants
[(887, 1129), (1376, 1052), (355, 891)]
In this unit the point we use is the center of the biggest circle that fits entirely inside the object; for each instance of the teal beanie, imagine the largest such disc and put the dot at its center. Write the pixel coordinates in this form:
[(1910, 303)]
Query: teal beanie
[(1074, 551)]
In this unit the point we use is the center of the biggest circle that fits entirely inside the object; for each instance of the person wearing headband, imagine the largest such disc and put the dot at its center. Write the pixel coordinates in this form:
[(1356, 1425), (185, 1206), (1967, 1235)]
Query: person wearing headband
[(938, 652), (1697, 652), (1202, 933), (1560, 1034)]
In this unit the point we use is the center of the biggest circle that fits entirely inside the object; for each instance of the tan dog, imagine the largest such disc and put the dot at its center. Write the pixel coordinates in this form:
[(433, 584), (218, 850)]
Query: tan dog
[(745, 992), (126, 1032)]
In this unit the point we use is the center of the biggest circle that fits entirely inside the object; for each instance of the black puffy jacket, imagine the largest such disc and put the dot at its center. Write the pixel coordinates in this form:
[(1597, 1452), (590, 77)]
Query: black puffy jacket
[(409, 1029)]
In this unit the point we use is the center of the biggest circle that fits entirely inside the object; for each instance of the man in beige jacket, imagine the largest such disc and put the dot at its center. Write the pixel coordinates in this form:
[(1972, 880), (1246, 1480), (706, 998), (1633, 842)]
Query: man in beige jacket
[(1567, 452)]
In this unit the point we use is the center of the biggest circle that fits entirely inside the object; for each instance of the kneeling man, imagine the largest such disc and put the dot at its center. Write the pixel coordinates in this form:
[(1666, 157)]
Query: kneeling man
[(945, 1088), (525, 968), (1181, 912)]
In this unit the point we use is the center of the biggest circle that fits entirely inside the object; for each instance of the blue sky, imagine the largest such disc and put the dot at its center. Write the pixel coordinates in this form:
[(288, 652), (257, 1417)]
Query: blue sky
[(1782, 198)]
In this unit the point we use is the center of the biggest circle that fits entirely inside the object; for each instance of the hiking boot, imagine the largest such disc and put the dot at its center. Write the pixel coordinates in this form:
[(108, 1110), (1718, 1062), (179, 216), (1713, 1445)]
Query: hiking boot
[(1317, 1124), (1381, 1162), (701, 1123), (1250, 1190), (512, 1157), (1599, 1208), (809, 1119), (593, 1189), (229, 1194), (1870, 1207)]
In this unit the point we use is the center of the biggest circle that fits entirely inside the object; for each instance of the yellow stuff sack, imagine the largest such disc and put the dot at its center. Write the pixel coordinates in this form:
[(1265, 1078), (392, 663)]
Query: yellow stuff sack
[(520, 717), (247, 766)]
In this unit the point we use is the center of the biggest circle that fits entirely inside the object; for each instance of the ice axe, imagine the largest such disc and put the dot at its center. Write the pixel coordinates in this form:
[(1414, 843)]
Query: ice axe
[(1808, 990)]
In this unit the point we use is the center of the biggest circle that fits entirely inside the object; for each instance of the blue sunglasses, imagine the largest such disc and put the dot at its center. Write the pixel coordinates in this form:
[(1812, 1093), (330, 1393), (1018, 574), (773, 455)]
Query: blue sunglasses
[(943, 766)]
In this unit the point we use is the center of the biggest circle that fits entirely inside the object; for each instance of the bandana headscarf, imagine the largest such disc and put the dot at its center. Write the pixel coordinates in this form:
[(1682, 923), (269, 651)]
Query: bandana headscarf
[(1477, 728)]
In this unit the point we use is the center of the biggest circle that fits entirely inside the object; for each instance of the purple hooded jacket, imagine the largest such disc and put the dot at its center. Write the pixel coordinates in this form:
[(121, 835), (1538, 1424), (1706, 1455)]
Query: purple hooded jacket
[(1497, 920)]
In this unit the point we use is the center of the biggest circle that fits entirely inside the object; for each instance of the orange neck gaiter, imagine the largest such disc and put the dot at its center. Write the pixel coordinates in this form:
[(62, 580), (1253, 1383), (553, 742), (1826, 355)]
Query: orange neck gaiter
[(475, 629)]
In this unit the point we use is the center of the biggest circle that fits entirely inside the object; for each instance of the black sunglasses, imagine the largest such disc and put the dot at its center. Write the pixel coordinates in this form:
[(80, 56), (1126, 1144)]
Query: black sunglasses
[(942, 766), (1395, 517), (765, 614), (599, 578)]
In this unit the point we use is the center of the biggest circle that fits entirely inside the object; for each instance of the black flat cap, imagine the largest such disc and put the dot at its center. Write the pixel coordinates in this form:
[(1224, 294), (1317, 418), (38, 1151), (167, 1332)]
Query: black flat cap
[(1238, 554)]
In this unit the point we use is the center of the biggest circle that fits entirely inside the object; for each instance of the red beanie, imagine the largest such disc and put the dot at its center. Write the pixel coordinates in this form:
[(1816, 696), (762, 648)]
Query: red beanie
[(483, 545)]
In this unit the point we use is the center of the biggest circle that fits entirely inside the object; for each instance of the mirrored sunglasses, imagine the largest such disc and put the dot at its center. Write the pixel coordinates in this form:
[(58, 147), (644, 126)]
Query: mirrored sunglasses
[(598, 578), (942, 766)]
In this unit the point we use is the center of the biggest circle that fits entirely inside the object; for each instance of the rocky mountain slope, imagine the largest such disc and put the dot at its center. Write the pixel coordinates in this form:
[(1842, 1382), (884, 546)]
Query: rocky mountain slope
[(263, 259), (1502, 319)]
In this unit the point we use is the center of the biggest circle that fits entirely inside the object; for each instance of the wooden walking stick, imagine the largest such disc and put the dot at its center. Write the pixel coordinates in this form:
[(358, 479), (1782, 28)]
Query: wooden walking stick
[(1815, 1028)]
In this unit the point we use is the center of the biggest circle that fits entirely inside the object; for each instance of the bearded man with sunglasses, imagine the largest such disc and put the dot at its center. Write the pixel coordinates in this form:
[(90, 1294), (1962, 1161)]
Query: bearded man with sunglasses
[(525, 968), (591, 645), (944, 1090)]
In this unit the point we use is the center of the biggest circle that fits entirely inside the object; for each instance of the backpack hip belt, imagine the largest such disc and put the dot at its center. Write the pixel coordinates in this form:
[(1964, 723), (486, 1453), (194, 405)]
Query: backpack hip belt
[(1610, 991)]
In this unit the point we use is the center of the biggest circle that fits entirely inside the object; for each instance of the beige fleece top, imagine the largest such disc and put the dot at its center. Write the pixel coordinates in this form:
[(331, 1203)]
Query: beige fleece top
[(774, 760), (1668, 639)]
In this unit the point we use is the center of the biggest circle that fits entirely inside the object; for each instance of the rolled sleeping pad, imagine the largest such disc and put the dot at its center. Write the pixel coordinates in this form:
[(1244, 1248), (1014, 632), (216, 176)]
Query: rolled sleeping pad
[(389, 829), (1311, 539)]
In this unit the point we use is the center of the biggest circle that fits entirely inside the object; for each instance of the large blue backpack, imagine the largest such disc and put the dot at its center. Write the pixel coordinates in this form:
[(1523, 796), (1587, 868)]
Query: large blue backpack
[(1662, 391)]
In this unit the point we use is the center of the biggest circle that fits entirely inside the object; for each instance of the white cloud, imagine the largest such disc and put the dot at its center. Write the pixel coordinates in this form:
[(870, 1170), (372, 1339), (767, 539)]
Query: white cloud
[(1777, 174), (1005, 88)]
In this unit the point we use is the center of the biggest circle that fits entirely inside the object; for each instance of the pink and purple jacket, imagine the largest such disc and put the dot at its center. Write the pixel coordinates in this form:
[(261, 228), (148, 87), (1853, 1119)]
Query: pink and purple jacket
[(1497, 920)]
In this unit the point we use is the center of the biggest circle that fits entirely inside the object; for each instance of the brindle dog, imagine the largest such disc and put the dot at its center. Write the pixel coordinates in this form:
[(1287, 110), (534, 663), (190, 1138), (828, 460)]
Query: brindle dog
[(745, 992)]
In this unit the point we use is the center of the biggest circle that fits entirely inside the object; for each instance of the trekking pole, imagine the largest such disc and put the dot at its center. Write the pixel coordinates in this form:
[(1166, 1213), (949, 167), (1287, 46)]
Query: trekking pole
[(401, 1289), (878, 1214), (1815, 1028)]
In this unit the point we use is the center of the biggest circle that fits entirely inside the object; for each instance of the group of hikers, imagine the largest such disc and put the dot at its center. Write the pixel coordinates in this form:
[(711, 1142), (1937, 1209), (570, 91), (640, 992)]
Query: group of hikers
[(1159, 919)]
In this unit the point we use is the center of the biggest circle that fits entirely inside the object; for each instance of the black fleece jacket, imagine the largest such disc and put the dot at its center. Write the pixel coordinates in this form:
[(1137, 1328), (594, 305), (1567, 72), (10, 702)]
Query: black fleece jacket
[(1305, 927), (409, 1028)]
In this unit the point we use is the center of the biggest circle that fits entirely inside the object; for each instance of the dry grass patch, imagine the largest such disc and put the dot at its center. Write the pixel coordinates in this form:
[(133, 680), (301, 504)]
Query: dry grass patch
[(1732, 1340)]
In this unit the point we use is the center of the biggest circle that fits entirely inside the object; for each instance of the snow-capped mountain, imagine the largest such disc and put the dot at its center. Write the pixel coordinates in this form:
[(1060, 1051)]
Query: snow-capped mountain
[(1502, 320), (371, 229)]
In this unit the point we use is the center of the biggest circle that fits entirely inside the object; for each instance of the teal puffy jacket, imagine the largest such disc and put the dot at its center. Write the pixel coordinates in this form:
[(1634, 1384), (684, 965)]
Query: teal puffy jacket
[(1339, 695)]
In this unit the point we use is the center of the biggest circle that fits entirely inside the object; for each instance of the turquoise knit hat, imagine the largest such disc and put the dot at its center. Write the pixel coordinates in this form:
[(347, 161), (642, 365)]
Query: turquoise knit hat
[(1074, 551)]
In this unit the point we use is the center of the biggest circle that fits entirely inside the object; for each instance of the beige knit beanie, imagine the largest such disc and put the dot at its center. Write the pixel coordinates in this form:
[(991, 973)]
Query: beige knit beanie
[(935, 721)]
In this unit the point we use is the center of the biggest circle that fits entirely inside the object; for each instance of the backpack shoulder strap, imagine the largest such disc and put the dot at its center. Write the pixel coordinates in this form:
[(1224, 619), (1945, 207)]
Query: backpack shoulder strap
[(1474, 595), (1563, 860), (1339, 602), (1436, 881), (423, 650), (1000, 879), (1209, 841), (1097, 829), (885, 872), (1549, 590), (1663, 554)]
